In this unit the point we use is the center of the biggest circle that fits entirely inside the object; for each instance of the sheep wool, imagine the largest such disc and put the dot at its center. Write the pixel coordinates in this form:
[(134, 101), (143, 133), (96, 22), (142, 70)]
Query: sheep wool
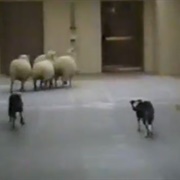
[(41, 57), (24, 56), (20, 69), (43, 71), (49, 55), (66, 67)]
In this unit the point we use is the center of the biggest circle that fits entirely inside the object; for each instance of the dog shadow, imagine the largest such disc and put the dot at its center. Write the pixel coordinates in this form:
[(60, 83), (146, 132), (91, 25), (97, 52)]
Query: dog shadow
[(7, 126), (4, 126), (153, 136)]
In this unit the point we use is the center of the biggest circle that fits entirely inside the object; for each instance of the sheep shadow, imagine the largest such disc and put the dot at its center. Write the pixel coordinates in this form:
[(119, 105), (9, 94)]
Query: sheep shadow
[(29, 86), (31, 90)]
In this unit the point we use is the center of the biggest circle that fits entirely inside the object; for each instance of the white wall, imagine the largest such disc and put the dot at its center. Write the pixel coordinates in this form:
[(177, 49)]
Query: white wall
[(168, 36), (161, 33), (56, 25), (89, 35), (150, 36), (57, 33)]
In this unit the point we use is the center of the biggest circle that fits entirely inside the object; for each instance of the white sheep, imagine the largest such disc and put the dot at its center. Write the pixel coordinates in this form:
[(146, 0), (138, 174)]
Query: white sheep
[(43, 71), (20, 69), (23, 56), (39, 58), (50, 55), (65, 66)]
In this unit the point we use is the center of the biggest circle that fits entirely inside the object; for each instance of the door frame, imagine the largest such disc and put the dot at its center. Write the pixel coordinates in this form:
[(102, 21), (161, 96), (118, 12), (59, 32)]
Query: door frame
[(142, 67), (41, 3)]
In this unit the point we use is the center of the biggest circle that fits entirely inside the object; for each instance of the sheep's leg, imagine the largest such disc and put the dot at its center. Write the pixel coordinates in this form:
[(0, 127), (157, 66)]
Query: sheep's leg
[(21, 118), (55, 81), (64, 83), (70, 85), (70, 81), (41, 84), (22, 86), (11, 86), (35, 86), (50, 83), (64, 80), (45, 83)]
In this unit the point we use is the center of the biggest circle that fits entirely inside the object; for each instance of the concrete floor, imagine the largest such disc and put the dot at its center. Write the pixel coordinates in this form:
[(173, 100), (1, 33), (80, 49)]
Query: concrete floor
[(89, 132)]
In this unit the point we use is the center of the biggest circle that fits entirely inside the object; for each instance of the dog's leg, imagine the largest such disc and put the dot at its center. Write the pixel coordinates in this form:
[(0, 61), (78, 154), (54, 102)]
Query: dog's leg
[(21, 119), (10, 119), (146, 126), (13, 122), (147, 130), (150, 129), (139, 125)]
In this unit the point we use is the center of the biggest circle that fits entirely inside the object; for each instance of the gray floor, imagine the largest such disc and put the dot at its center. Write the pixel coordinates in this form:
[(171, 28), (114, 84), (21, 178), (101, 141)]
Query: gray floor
[(89, 132)]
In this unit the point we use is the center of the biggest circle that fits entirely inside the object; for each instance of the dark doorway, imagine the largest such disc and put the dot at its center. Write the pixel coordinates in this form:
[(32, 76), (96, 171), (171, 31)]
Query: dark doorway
[(21, 31), (122, 34)]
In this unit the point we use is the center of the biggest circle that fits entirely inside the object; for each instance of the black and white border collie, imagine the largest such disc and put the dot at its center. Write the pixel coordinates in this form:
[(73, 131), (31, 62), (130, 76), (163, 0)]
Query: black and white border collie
[(145, 114), (15, 106)]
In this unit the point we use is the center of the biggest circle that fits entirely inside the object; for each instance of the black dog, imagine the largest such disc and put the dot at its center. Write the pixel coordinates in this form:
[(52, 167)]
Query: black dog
[(145, 113), (15, 106)]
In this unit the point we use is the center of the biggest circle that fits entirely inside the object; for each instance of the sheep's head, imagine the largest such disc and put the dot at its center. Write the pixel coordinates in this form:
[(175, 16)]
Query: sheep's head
[(24, 56), (51, 54), (70, 51)]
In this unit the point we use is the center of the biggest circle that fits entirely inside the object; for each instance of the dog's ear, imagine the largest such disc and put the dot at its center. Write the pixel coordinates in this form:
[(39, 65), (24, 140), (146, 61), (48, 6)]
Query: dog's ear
[(139, 100), (19, 94)]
